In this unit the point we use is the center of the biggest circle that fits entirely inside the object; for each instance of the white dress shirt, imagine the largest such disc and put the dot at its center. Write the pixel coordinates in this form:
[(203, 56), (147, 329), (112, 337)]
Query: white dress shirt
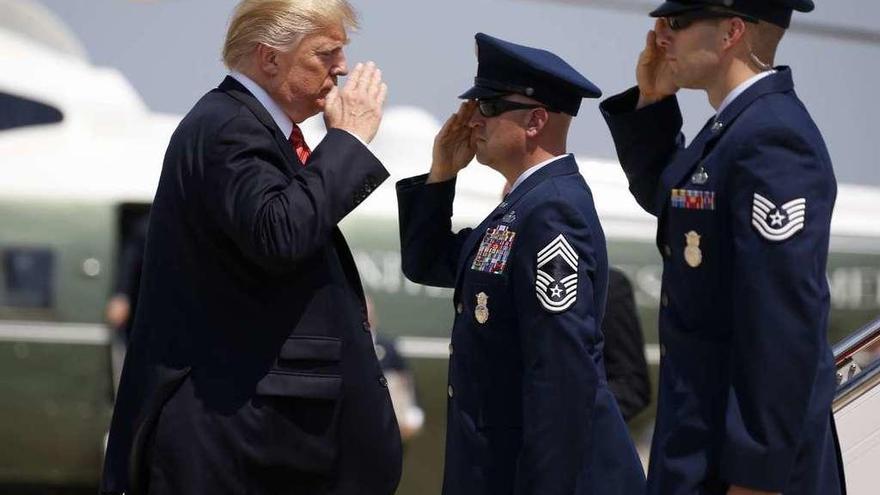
[(281, 119)]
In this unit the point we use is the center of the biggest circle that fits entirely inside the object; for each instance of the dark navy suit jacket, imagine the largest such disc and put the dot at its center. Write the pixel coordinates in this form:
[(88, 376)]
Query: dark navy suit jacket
[(746, 374), (251, 368), (624, 351), (529, 410)]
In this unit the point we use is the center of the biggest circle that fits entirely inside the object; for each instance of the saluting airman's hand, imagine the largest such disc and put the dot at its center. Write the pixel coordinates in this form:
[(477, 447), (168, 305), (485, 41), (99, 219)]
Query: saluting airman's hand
[(357, 108), (453, 148), (653, 73)]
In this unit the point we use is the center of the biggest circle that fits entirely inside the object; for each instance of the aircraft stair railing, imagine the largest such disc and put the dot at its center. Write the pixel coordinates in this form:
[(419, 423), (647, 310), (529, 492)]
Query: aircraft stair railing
[(857, 407)]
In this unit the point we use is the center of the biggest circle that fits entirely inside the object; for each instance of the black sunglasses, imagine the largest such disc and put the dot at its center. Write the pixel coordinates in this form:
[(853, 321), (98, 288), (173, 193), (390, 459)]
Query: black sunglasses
[(496, 106), (684, 21)]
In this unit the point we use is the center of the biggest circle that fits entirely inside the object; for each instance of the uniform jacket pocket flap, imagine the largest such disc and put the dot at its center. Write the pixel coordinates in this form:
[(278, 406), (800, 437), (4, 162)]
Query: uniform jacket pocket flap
[(300, 385), (311, 349)]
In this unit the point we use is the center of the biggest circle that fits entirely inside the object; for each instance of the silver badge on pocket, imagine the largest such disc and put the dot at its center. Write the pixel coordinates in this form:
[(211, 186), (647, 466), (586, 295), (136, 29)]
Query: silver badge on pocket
[(481, 312), (692, 253)]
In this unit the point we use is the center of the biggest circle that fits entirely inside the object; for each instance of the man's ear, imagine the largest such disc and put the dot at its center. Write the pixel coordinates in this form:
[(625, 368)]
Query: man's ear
[(537, 119), (736, 31), (267, 59)]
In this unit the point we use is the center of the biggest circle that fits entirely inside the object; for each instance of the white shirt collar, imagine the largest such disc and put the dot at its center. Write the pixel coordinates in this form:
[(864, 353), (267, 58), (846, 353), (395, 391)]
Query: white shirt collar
[(743, 86), (531, 170), (281, 119)]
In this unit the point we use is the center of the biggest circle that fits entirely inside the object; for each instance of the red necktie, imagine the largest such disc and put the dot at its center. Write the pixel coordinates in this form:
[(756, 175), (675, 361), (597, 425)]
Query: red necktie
[(299, 145)]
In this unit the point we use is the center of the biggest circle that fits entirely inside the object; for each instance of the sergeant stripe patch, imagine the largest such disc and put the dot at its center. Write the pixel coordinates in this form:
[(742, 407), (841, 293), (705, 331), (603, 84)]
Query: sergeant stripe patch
[(778, 223), (557, 275)]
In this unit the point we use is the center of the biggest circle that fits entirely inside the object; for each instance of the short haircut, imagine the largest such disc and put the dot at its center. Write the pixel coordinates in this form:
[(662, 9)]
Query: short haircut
[(280, 24), (765, 39)]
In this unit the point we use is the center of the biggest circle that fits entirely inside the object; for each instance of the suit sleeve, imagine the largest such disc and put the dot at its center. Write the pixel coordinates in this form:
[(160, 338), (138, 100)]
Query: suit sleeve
[(429, 249), (275, 220), (646, 141), (560, 376), (624, 350), (781, 305)]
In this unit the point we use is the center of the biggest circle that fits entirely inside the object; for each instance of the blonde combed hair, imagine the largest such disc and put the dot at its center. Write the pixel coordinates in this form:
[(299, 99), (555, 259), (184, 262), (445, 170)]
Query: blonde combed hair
[(280, 24)]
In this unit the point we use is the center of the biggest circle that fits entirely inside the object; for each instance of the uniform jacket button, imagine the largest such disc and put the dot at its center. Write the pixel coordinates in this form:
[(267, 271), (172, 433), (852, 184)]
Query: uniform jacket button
[(450, 348), (450, 391), (667, 251), (662, 350), (366, 325), (664, 300), (459, 308), (383, 381)]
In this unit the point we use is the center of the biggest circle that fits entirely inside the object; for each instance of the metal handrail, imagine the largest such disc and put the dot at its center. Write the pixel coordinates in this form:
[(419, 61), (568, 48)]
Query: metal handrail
[(848, 347), (853, 381)]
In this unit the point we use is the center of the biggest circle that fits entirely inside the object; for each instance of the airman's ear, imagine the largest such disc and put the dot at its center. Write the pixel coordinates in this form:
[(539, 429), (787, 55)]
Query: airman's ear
[(537, 119), (736, 30)]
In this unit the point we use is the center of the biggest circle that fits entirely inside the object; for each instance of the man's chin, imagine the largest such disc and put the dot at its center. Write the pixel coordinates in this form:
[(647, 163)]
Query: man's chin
[(482, 159)]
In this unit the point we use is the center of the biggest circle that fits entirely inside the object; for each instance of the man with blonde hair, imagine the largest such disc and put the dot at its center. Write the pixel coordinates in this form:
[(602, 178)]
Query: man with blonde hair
[(251, 367)]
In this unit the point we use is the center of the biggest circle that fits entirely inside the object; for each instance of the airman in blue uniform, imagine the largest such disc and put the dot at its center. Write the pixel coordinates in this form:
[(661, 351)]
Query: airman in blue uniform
[(529, 408), (744, 211)]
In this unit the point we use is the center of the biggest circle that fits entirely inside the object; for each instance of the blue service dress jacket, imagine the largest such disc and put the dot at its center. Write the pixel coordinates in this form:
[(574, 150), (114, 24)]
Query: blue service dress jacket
[(746, 373), (529, 410), (251, 368)]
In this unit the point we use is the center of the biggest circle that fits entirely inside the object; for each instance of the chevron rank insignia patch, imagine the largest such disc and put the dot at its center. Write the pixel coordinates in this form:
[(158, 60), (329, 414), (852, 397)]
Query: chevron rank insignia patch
[(778, 223), (557, 278)]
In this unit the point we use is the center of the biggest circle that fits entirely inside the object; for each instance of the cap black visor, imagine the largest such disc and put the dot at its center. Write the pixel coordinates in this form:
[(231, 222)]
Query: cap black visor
[(675, 8), (478, 92)]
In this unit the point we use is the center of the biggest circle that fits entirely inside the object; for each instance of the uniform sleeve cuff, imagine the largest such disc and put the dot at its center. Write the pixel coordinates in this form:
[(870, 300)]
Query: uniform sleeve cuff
[(420, 182), (662, 117), (415, 191)]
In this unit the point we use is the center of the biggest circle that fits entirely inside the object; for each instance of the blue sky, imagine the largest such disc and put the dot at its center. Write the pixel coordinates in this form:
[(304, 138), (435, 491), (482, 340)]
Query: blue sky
[(170, 51)]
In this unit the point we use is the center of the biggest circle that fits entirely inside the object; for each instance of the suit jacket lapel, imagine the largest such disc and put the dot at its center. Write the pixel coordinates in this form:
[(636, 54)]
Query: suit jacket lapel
[(235, 89)]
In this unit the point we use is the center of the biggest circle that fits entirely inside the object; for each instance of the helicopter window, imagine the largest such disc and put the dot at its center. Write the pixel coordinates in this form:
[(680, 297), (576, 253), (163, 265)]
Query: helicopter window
[(27, 274), (16, 111)]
